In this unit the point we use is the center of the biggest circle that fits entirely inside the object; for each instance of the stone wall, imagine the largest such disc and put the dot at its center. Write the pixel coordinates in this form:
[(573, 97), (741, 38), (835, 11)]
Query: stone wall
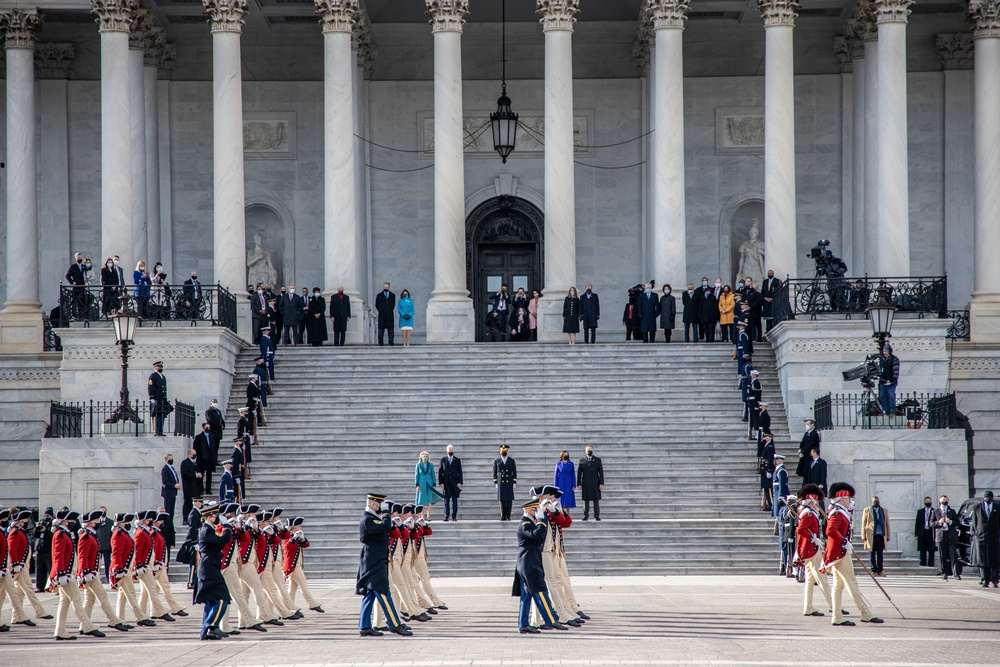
[(975, 379)]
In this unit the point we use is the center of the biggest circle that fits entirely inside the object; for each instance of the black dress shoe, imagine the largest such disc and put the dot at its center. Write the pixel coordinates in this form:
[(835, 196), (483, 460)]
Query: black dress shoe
[(845, 623), (583, 616), (94, 633), (297, 615), (401, 631), (317, 609), (369, 632), (815, 613), (555, 626), (147, 623), (47, 617), (64, 639), (403, 625), (274, 621), (233, 632), (120, 626), (259, 627), (432, 611), (30, 623), (597, 518), (4, 628), (873, 619), (422, 617), (443, 606), (529, 630), (181, 612), (167, 617), (215, 633), (574, 623)]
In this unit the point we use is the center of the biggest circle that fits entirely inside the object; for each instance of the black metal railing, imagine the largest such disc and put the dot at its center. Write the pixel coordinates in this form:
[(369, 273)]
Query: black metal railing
[(156, 304), (88, 419), (849, 297), (913, 410), (823, 412), (960, 329), (50, 341)]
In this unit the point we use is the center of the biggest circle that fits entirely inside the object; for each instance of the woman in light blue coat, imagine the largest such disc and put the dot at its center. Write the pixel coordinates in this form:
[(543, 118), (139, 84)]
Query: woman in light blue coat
[(405, 309), (424, 480)]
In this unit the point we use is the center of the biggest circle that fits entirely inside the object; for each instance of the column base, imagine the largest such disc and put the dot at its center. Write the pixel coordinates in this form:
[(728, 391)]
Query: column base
[(450, 318), (984, 317), (21, 328), (357, 327), (550, 318)]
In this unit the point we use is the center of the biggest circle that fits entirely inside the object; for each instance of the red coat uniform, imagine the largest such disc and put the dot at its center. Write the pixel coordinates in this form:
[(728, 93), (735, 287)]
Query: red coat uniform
[(86, 556), (159, 549), (122, 552), (228, 550), (17, 549), (406, 537), (394, 535), (245, 537), (838, 535), (3, 553), (293, 553), (143, 550), (63, 551), (263, 547), (274, 543), (804, 531)]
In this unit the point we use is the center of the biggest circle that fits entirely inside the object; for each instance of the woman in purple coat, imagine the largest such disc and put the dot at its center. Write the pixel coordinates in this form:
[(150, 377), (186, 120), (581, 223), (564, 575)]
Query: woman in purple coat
[(565, 479)]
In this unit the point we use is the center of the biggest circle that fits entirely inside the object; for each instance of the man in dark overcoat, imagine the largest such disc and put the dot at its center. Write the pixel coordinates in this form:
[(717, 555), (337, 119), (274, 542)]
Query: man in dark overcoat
[(590, 312), (649, 312), (450, 480), (689, 302), (340, 315), (708, 313), (923, 530), (505, 481), (590, 479), (529, 575), (810, 441), (211, 589), (373, 569), (385, 304), (986, 527), (159, 407)]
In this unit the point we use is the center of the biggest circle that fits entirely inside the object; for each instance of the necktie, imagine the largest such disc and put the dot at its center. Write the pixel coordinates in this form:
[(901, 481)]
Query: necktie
[(989, 507)]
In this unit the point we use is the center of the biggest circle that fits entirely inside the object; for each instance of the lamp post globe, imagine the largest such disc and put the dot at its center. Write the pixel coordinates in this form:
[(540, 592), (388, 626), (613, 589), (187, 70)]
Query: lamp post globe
[(880, 313)]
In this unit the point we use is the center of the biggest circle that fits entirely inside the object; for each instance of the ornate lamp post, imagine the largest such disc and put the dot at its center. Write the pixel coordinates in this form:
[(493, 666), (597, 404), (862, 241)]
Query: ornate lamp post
[(880, 314), (124, 322), (504, 121)]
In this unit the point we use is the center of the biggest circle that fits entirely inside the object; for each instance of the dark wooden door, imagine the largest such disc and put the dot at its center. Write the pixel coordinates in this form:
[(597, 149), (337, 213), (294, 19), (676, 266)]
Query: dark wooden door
[(510, 264)]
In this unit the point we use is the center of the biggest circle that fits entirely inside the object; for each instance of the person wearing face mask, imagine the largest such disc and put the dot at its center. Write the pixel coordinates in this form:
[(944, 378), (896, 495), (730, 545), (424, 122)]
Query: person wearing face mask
[(571, 315), (109, 281), (142, 286), (159, 405), (837, 556), (649, 310), (565, 479), (768, 290), (170, 483), (689, 301), (946, 537), (810, 441), (340, 315), (708, 311), (590, 479), (424, 481), (727, 315), (192, 296), (923, 530), (986, 548), (316, 319), (809, 547), (122, 556), (590, 313), (191, 477), (385, 305), (875, 531), (159, 294), (405, 308), (668, 312), (450, 481)]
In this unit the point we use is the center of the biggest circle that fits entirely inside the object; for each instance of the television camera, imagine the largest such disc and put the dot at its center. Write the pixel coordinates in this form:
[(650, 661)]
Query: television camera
[(867, 372)]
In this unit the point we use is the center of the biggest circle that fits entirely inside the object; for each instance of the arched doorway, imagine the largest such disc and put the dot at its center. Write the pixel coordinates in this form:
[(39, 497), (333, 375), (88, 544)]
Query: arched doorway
[(503, 245)]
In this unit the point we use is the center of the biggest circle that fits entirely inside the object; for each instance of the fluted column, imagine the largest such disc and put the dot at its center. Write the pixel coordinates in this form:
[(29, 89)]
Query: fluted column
[(865, 18), (364, 53), (985, 308), (114, 18), (669, 228), (152, 57), (779, 136), (450, 314), (893, 247), (226, 19), (137, 43), (557, 21), (21, 318), (856, 52)]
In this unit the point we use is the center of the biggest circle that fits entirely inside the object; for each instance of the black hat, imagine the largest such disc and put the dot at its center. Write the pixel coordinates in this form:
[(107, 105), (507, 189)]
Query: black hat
[(296, 522), (124, 517), (231, 508), (396, 508), (157, 364), (148, 515), (504, 448), (408, 508), (276, 512), (210, 507), (162, 516), (4, 514), (266, 515), (260, 516), (417, 509), (67, 515), (48, 510), (841, 490), (22, 515), (808, 490), (546, 490), (197, 499), (250, 509), (92, 516), (376, 497)]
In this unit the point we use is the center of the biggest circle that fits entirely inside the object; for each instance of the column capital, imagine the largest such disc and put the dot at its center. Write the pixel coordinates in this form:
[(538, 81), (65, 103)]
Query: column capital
[(985, 17), (843, 53), (337, 15), (139, 32), (863, 22), (167, 58), (19, 28), (114, 15), (891, 11), (156, 41), (558, 14), (364, 42), (668, 13), (447, 15), (226, 15), (643, 40), (855, 33), (778, 12), (955, 50), (53, 60)]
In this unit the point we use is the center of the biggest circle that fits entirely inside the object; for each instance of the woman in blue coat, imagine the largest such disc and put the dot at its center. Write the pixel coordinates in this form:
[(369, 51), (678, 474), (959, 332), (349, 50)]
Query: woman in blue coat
[(565, 479), (405, 309), (424, 480)]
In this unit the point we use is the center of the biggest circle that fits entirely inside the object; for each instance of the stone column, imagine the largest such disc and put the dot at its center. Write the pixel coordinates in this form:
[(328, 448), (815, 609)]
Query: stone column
[(338, 18), (865, 18), (669, 230), (856, 52), (984, 315), (153, 55), (21, 318), (779, 137), (450, 315), (114, 18), (138, 41), (893, 247), (364, 52), (226, 18), (558, 17)]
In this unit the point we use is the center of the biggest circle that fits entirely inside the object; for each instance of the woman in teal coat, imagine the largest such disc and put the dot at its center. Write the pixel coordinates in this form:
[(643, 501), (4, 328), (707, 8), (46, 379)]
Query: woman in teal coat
[(405, 309), (424, 480)]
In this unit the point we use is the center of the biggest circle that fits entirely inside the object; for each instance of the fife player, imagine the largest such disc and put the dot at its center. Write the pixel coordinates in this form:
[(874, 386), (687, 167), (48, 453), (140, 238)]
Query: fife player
[(809, 547), (837, 557)]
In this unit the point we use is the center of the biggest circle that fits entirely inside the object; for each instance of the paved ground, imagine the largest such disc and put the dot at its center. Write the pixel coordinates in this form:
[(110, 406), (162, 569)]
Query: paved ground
[(636, 621)]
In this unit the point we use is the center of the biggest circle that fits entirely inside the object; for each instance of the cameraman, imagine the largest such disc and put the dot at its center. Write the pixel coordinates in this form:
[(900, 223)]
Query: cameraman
[(836, 269), (888, 378)]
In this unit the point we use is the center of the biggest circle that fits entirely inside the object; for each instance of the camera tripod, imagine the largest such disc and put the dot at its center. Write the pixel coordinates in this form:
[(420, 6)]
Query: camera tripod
[(868, 399)]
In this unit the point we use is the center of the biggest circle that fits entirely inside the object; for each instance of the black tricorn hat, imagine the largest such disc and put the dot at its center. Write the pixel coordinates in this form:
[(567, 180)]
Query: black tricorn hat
[(841, 489), (810, 490)]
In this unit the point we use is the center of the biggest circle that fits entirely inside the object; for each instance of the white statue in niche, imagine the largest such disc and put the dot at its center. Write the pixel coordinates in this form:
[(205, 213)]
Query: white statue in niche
[(259, 266), (752, 255)]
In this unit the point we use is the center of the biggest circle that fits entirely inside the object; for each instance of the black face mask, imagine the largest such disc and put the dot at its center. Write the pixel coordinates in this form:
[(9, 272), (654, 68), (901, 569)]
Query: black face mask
[(945, 503), (875, 504), (170, 462), (927, 504)]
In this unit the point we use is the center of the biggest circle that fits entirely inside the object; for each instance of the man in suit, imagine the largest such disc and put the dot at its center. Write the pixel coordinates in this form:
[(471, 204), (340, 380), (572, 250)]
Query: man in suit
[(986, 528), (340, 315), (708, 312), (875, 531), (159, 404), (300, 329), (590, 312), (216, 425), (690, 313), (649, 311), (192, 296), (290, 306), (810, 441), (170, 483), (756, 303), (450, 480), (816, 472), (946, 536), (590, 479), (767, 292), (191, 484), (923, 530), (258, 311), (505, 481), (385, 304), (204, 461)]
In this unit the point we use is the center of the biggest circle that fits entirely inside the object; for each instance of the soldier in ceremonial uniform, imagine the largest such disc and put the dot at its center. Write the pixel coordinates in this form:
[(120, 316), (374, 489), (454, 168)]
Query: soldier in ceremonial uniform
[(766, 467), (408, 532), (547, 496), (149, 601), (754, 394), (61, 579), (264, 555), (398, 537), (562, 578), (295, 544), (227, 484), (529, 576), (18, 555), (505, 481), (88, 572), (373, 569), (809, 547), (230, 566), (247, 535), (159, 406), (8, 587), (419, 566), (276, 540), (160, 565), (212, 590), (122, 556), (194, 527), (837, 557), (779, 481), (239, 461)]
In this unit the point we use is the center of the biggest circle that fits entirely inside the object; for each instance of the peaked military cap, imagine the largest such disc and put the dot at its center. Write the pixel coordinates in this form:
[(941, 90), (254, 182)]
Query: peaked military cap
[(530, 505), (376, 497), (210, 508)]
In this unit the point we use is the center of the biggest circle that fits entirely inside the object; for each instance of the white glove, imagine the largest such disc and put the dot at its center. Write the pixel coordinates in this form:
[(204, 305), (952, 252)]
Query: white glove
[(386, 506), (818, 542), (540, 513), (397, 520), (768, 475), (849, 548)]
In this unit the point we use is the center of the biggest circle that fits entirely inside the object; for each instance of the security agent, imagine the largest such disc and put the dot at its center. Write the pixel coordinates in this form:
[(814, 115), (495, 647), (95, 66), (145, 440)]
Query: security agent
[(212, 590), (373, 569), (529, 575)]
